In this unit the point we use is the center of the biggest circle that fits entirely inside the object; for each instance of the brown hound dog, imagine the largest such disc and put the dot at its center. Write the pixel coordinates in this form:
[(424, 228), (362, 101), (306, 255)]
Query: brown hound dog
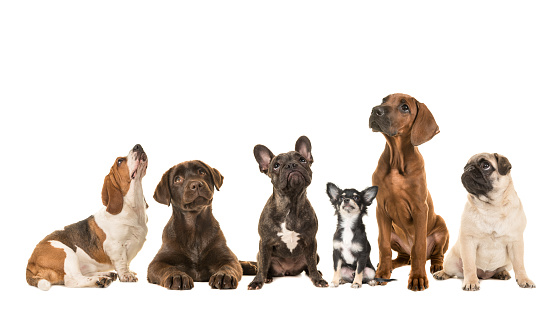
[(405, 213)]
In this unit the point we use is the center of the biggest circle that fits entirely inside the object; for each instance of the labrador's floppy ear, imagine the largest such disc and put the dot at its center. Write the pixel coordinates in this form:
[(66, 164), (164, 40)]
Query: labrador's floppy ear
[(303, 146), (162, 194), (263, 156), (503, 164), (111, 196), (215, 175), (424, 127)]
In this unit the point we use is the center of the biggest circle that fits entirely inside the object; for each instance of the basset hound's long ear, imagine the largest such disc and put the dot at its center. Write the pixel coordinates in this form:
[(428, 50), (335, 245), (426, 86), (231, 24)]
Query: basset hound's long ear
[(111, 196), (424, 127), (215, 175), (162, 194)]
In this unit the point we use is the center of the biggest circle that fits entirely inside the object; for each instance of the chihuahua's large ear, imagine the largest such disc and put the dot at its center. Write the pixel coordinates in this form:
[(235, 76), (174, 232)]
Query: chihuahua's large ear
[(503, 164), (369, 194), (263, 156), (333, 191), (162, 194), (111, 196), (303, 146), (215, 175), (424, 127)]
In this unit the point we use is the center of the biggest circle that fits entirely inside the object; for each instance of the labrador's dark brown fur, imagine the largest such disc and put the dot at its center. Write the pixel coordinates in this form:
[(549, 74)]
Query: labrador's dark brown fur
[(405, 213), (194, 248)]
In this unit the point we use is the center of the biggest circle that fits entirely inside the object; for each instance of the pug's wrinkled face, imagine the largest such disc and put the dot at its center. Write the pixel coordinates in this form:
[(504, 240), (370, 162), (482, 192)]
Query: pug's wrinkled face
[(486, 174)]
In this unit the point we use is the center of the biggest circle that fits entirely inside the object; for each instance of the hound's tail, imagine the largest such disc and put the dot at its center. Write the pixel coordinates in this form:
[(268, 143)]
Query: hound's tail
[(384, 280), (35, 280), (249, 267)]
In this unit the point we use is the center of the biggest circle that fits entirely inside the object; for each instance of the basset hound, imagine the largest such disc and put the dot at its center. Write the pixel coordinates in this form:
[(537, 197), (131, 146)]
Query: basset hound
[(84, 253)]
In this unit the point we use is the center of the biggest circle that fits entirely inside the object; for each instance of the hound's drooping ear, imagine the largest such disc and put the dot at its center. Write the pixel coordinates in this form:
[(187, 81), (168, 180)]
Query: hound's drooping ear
[(503, 164), (333, 191), (215, 175), (162, 194), (369, 194), (263, 156), (111, 196), (303, 146), (424, 127)]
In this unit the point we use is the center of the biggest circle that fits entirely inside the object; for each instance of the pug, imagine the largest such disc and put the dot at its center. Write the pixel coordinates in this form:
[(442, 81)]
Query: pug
[(490, 237)]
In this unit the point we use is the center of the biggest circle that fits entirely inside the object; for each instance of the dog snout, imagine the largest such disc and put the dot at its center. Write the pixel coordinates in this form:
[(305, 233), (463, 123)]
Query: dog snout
[(195, 185), (138, 148), (291, 165), (346, 200), (378, 111)]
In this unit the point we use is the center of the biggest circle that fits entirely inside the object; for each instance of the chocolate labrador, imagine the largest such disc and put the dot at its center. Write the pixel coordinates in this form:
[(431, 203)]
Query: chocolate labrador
[(194, 248)]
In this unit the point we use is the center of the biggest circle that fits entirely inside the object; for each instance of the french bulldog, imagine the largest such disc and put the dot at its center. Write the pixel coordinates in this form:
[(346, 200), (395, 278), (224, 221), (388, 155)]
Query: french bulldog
[(288, 224)]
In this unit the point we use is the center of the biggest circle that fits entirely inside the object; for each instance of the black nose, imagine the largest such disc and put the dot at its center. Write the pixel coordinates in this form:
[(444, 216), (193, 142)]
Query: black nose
[(138, 148), (291, 165), (346, 200), (378, 110)]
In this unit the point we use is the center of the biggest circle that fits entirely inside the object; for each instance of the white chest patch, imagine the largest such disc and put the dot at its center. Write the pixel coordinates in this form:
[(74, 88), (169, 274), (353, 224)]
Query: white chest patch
[(290, 238)]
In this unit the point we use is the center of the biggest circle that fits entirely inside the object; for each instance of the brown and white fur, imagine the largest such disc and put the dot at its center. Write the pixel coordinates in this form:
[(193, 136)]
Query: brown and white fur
[(83, 253)]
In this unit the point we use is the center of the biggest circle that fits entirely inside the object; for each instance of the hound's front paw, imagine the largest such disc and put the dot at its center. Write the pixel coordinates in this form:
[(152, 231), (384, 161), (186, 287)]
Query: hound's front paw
[(128, 277)]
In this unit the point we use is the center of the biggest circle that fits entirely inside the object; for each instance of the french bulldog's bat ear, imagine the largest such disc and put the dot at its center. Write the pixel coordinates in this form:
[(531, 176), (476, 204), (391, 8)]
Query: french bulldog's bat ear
[(303, 146), (263, 156), (162, 194), (424, 127), (369, 194), (503, 164), (333, 191)]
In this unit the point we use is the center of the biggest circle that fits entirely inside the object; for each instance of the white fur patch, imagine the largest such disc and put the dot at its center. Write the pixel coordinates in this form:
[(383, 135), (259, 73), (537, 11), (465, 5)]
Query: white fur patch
[(44, 285), (290, 238)]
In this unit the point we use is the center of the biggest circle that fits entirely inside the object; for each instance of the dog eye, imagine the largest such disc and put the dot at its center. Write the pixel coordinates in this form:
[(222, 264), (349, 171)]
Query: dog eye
[(404, 108), (485, 165), (355, 197), (120, 161), (340, 199), (177, 179), (302, 160), (202, 172), (276, 166)]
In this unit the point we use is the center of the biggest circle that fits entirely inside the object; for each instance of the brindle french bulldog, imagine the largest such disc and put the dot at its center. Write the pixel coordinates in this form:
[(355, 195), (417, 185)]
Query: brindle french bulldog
[(288, 224)]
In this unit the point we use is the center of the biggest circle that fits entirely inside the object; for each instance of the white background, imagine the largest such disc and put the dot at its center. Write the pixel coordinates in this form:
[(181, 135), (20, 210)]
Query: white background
[(82, 82)]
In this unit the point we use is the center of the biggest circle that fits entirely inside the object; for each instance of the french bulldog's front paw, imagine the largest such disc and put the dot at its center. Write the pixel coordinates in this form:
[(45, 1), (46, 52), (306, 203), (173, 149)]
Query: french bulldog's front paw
[(335, 283), (223, 281), (255, 285), (128, 277), (373, 283), (526, 283), (441, 275), (178, 281), (320, 283), (471, 284), (417, 283)]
